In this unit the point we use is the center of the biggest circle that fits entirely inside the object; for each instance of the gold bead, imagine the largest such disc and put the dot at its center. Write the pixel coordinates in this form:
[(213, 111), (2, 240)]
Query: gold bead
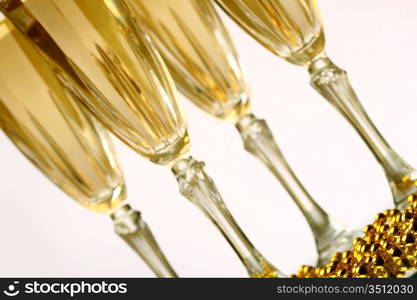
[(374, 247), (411, 198), (414, 224), (388, 248), (399, 264), (413, 262), (407, 215), (322, 271), (331, 269), (380, 218), (378, 260), (345, 254), (358, 256), (368, 229), (368, 258), (408, 239), (357, 241), (380, 272), (304, 269), (336, 257)]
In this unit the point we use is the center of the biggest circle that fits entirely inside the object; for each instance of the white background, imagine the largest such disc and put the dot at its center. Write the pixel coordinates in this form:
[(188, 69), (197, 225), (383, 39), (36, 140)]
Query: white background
[(44, 233)]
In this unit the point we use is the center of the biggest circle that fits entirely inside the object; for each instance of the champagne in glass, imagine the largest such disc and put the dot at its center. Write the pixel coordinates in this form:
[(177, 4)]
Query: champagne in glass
[(292, 29), (44, 120), (104, 52), (203, 62)]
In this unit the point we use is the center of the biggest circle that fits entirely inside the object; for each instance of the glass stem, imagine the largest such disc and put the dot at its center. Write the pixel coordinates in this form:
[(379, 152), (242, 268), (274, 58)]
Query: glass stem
[(259, 141), (130, 226), (199, 188), (333, 84)]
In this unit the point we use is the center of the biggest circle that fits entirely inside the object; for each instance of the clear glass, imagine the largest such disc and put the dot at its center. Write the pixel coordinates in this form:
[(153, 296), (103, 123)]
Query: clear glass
[(292, 29), (204, 65), (44, 120), (105, 53), (131, 227), (76, 152), (333, 84)]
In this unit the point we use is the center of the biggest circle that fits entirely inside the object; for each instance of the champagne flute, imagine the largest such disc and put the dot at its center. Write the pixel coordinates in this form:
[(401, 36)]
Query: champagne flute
[(201, 58), (104, 52), (43, 119), (292, 29)]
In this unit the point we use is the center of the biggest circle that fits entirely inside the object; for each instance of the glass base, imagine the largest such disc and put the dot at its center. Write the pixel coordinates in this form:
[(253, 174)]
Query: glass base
[(341, 242)]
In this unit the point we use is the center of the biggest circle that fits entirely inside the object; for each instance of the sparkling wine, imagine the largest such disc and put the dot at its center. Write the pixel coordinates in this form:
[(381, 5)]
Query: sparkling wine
[(198, 52), (106, 51), (130, 89), (41, 116), (290, 28)]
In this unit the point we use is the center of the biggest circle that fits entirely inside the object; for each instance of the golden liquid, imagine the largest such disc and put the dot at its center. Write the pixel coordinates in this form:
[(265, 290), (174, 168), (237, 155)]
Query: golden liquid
[(290, 28), (198, 52), (41, 117), (99, 43)]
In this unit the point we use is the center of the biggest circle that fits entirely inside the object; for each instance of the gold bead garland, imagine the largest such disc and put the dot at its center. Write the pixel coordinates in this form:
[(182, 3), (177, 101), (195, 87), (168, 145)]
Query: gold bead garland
[(388, 249)]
